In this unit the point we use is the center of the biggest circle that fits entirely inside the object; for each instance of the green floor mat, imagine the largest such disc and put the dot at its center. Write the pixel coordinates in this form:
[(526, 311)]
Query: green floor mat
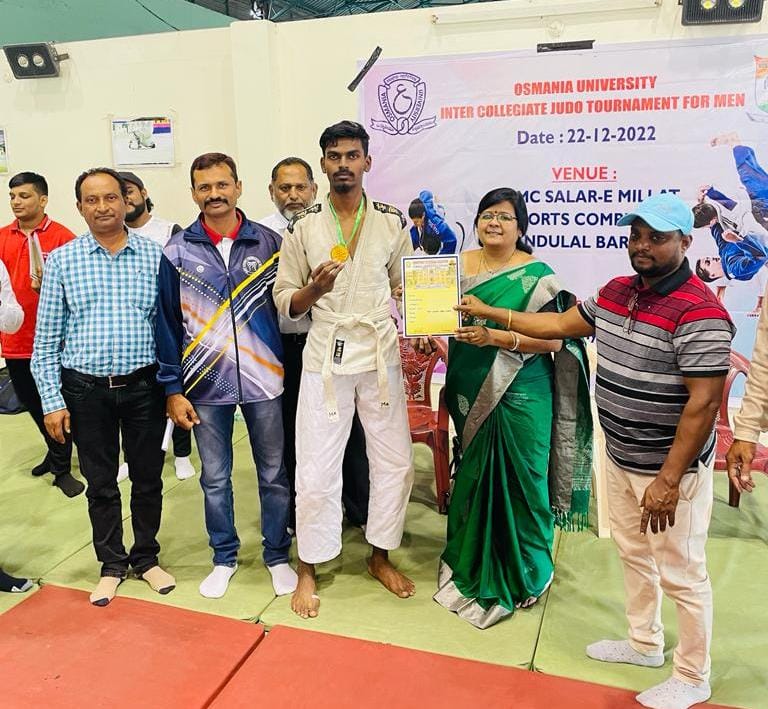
[(39, 525), (586, 604), (21, 445)]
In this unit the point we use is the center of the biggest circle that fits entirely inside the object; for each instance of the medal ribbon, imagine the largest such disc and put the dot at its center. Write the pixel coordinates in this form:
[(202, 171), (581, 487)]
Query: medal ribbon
[(358, 218)]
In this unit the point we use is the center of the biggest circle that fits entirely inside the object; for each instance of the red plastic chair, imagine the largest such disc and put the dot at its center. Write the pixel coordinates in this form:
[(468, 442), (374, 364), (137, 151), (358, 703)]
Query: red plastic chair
[(739, 365), (428, 426)]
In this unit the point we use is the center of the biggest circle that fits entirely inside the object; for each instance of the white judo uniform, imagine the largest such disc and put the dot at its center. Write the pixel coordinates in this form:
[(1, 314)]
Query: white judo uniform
[(351, 360)]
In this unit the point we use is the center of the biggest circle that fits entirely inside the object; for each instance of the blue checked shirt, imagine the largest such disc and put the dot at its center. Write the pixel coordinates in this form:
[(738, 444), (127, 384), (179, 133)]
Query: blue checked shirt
[(96, 313)]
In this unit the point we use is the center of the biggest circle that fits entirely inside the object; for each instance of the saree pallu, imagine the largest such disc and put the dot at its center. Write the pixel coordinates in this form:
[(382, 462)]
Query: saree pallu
[(504, 404)]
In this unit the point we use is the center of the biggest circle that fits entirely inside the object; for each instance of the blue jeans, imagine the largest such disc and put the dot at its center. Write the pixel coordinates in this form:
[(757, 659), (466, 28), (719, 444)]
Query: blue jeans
[(214, 442)]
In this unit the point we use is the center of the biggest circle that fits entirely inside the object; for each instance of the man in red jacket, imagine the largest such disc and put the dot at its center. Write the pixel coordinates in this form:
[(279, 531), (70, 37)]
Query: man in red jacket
[(29, 197)]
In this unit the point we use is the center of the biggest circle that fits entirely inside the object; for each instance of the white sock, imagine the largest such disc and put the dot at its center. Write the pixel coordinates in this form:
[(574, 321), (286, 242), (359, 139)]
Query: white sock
[(284, 579), (622, 651), (215, 584), (674, 694), (122, 472), (184, 468)]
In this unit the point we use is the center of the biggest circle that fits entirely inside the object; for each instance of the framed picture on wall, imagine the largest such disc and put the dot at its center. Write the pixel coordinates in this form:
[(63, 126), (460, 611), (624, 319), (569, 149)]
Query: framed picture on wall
[(142, 142), (3, 152)]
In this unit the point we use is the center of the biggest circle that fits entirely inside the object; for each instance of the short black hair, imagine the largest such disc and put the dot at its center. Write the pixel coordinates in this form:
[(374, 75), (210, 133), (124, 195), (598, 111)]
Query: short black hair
[(100, 171), (703, 214), (515, 198), (702, 273), (206, 160), (344, 130), (416, 209), (30, 178), (286, 162)]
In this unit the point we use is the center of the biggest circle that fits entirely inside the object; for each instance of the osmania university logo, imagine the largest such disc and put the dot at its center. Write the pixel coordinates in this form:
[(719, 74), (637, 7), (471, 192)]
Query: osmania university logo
[(401, 98)]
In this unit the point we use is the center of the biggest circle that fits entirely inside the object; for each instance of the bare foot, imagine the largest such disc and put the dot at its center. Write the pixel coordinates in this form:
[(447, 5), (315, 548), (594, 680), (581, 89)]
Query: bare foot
[(305, 602), (380, 567), (531, 600)]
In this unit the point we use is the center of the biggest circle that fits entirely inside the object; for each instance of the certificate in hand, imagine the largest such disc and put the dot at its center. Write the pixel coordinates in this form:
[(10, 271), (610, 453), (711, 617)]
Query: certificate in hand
[(430, 290)]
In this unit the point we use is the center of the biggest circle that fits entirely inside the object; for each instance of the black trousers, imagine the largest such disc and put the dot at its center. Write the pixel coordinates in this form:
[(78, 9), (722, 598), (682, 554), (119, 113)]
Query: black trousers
[(59, 455), (356, 485), (182, 442), (99, 416)]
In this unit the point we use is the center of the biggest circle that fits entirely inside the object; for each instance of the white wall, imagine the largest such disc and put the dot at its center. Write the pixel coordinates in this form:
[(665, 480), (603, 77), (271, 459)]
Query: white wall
[(259, 91), (59, 127)]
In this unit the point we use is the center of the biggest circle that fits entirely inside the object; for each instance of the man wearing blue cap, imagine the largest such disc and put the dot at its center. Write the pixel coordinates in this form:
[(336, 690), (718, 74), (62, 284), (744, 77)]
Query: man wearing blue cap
[(663, 344)]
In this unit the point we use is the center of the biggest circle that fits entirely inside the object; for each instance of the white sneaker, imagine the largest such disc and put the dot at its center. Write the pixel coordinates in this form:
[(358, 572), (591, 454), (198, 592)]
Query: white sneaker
[(122, 472), (674, 694), (215, 584), (622, 651), (184, 468)]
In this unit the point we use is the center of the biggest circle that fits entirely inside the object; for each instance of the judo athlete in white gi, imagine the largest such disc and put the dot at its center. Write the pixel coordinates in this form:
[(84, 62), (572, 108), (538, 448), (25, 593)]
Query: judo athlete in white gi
[(341, 259)]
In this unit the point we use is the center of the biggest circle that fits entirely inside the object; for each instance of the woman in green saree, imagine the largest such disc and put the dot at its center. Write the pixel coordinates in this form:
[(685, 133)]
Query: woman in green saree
[(500, 394)]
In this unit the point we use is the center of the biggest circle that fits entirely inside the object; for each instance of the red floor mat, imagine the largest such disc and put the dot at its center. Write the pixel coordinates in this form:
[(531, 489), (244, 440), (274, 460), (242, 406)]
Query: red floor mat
[(299, 669), (57, 650)]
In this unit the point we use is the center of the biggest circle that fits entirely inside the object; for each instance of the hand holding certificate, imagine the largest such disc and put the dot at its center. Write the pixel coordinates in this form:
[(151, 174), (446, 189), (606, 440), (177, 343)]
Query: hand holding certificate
[(430, 294)]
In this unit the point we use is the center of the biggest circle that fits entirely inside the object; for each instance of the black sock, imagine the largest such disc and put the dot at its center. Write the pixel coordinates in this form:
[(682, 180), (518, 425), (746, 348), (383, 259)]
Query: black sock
[(70, 486), (11, 584), (42, 468)]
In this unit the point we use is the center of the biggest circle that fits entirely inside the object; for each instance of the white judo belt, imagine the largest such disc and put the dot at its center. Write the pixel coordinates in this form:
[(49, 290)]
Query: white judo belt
[(346, 320)]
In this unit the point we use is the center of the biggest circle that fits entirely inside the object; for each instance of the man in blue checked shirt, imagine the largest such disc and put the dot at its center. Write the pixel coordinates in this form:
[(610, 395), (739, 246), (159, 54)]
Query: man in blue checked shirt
[(98, 298)]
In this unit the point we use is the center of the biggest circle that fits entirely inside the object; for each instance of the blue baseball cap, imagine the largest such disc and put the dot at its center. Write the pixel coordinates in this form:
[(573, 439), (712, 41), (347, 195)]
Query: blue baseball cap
[(663, 212)]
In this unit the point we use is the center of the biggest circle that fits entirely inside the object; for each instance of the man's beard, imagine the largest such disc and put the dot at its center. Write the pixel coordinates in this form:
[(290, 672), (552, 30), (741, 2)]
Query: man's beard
[(289, 213), (654, 270), (343, 187), (137, 211)]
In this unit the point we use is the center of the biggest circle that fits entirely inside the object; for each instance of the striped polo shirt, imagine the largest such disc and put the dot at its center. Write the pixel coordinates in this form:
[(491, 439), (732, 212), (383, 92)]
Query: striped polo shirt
[(648, 339)]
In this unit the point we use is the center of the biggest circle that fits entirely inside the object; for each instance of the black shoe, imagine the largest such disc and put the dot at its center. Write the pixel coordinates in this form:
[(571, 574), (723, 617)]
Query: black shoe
[(69, 485), (42, 468), (11, 584)]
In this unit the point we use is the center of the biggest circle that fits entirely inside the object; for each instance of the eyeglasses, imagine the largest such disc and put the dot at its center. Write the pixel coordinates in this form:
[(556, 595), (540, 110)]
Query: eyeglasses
[(501, 217)]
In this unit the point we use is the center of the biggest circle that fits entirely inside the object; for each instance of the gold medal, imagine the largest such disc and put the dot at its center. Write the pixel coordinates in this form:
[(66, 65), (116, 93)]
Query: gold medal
[(339, 253)]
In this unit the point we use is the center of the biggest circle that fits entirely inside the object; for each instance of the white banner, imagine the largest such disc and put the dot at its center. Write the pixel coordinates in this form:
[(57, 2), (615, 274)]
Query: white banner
[(585, 136)]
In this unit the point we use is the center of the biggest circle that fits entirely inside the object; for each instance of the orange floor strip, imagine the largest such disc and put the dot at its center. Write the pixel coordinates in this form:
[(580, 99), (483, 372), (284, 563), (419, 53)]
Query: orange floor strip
[(300, 669), (59, 651)]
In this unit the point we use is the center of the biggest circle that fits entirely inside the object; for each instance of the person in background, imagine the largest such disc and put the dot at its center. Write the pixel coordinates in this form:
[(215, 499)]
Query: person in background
[(431, 234), (32, 226)]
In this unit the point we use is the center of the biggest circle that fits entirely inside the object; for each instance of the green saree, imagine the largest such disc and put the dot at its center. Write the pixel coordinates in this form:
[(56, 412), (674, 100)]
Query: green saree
[(505, 408)]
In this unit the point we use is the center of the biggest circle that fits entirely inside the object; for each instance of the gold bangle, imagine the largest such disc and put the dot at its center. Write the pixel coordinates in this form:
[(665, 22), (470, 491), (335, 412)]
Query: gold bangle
[(509, 318)]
